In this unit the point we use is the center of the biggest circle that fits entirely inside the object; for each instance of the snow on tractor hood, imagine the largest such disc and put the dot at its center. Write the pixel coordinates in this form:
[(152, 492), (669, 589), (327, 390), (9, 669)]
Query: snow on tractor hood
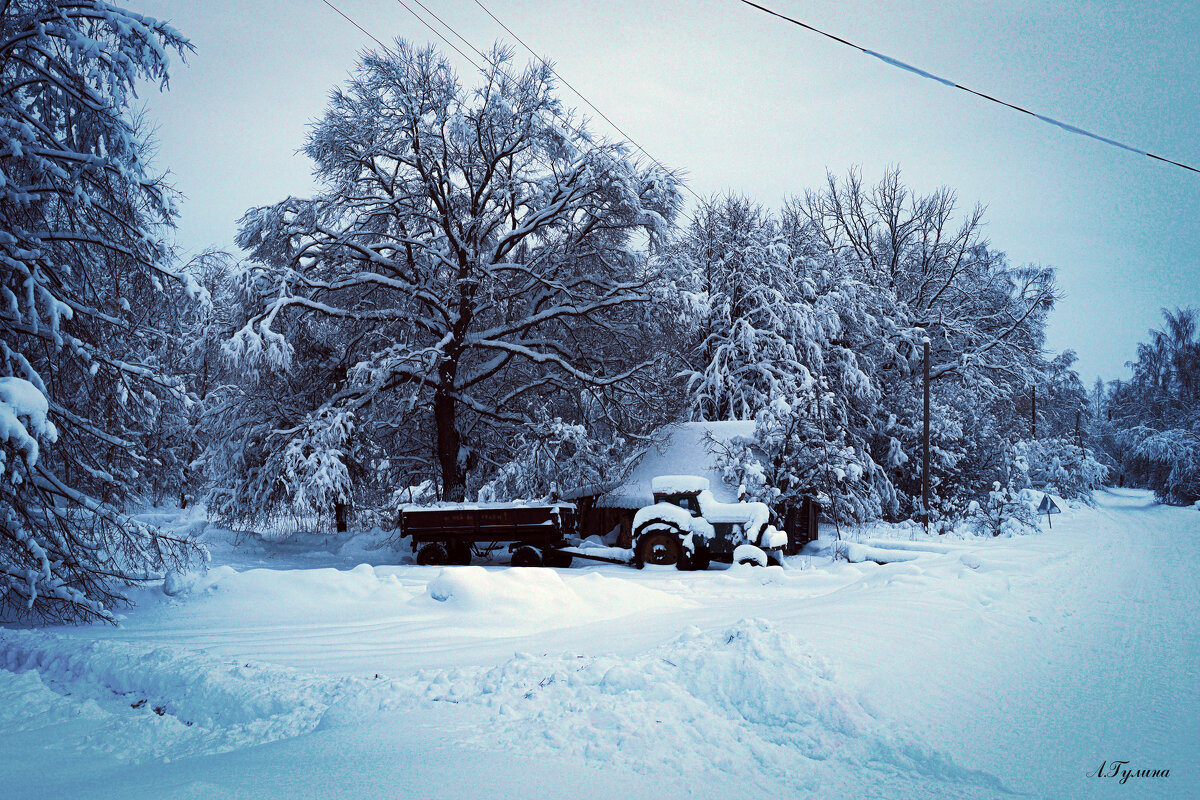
[(676, 516), (753, 517)]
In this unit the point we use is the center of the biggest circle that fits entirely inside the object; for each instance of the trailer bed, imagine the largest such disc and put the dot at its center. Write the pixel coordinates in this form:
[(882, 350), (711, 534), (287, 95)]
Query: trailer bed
[(452, 534)]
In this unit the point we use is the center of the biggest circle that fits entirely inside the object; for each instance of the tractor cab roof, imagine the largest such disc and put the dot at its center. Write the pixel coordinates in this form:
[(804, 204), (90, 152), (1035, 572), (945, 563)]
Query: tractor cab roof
[(679, 485)]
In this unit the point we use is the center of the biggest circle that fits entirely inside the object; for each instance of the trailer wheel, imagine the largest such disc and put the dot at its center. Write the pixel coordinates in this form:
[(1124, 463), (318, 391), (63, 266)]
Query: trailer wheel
[(526, 556), (432, 555), (459, 553), (557, 558), (660, 546)]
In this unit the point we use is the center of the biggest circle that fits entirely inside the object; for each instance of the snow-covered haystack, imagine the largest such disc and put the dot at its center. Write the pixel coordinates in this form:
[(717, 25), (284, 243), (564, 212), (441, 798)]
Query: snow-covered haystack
[(750, 695), (681, 458)]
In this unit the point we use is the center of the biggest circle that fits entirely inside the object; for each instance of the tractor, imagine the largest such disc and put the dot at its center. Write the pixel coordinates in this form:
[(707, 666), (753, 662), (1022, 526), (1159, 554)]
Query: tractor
[(688, 527)]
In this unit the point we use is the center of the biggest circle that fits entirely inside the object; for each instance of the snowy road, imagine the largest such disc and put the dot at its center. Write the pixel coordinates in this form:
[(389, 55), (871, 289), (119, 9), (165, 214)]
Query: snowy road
[(1015, 665)]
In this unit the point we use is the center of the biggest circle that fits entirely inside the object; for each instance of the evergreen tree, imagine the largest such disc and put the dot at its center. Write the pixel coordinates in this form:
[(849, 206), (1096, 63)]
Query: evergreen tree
[(86, 299)]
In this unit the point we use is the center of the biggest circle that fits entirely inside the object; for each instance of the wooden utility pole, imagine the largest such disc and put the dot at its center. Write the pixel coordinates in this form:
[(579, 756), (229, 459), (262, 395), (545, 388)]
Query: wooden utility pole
[(1033, 411), (925, 447)]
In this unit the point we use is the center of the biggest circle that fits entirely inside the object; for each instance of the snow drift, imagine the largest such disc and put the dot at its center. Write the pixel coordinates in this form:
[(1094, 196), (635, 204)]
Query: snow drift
[(749, 700)]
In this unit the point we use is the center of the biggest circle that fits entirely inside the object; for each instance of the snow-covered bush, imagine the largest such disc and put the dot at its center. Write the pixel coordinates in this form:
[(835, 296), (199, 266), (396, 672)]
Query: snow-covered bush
[(1055, 466), (315, 469), (552, 456), (1004, 513), (1171, 460)]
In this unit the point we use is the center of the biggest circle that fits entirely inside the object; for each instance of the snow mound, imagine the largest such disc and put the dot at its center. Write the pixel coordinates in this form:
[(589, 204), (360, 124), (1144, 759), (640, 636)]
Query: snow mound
[(750, 696), (857, 553), (287, 595), (166, 702), (748, 553), (536, 595)]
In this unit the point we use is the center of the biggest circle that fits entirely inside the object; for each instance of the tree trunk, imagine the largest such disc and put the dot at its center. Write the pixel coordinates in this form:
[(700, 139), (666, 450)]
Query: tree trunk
[(340, 516), (454, 476)]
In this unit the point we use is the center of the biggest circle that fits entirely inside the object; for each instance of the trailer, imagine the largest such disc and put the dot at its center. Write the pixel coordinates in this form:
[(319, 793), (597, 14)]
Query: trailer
[(686, 526), (535, 535)]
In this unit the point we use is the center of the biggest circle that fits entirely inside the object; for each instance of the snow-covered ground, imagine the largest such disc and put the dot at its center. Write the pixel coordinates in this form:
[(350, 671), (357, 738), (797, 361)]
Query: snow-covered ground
[(976, 669)]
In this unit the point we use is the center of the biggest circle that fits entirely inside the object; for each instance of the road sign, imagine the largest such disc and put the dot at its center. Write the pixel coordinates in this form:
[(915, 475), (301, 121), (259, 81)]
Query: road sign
[(1048, 507)]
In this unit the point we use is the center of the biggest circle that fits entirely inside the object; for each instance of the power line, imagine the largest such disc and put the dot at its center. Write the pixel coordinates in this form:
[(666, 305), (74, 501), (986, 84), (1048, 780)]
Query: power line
[(591, 105), (945, 82), (562, 119), (565, 122), (438, 33), (339, 12)]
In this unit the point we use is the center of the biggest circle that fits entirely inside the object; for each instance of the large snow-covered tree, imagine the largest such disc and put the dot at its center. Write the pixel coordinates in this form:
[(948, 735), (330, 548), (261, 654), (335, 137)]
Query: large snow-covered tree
[(84, 279), (768, 330), (475, 256), (749, 313)]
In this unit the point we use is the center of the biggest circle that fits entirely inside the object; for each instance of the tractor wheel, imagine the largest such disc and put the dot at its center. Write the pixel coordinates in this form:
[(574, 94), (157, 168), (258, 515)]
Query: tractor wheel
[(660, 546), (526, 556), (459, 553), (557, 558), (432, 555)]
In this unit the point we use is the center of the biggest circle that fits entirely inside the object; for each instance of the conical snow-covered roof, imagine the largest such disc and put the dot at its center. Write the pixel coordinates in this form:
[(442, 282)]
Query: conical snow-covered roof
[(682, 449)]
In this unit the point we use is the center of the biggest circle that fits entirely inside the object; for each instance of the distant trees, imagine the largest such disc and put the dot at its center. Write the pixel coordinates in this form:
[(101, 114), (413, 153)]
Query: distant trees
[(1150, 427), (88, 308), (467, 266)]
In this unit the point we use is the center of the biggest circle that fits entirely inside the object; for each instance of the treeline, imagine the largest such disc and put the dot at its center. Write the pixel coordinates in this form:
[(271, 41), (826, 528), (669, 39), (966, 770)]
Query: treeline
[(1148, 427), (481, 302), (478, 302)]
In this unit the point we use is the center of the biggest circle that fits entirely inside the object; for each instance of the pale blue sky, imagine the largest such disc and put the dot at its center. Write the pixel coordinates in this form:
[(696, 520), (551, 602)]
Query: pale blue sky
[(747, 102)]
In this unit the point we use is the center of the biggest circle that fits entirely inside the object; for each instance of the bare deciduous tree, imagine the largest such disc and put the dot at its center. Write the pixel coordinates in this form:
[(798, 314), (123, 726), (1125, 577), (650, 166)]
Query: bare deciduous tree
[(475, 255)]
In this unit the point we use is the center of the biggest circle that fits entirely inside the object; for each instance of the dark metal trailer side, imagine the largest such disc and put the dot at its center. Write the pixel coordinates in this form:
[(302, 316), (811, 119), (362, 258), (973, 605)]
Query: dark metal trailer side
[(452, 534)]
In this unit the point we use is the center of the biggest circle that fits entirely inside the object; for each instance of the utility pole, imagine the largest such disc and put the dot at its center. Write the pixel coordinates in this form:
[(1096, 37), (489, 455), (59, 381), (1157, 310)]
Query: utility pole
[(1033, 411), (925, 447)]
